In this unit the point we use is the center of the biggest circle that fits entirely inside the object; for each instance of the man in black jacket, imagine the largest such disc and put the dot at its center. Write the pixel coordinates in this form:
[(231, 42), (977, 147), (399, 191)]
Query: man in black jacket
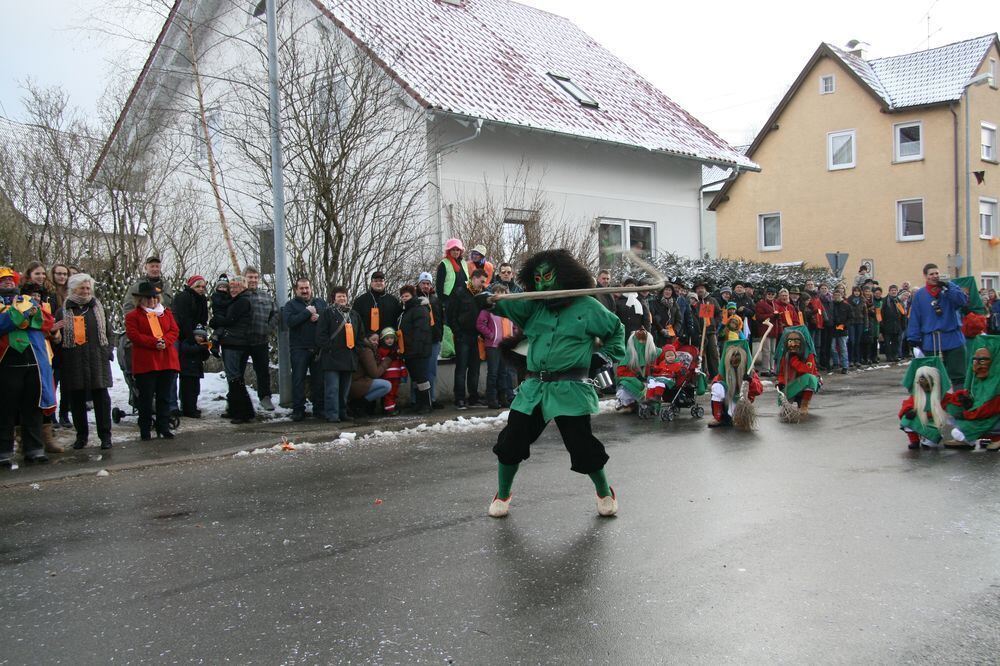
[(337, 338), (301, 315), (462, 312), (376, 307), (425, 289), (604, 280), (236, 324)]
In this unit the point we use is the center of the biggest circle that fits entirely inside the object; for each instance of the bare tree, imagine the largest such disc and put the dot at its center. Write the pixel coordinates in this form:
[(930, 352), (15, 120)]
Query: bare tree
[(519, 219)]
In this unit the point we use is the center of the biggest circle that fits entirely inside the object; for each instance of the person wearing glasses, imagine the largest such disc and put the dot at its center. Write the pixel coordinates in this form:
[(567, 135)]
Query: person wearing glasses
[(506, 278), (935, 325)]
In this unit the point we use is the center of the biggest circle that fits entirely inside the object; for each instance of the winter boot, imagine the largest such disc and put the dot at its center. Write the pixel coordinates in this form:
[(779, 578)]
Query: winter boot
[(424, 398), (240, 408), (49, 439)]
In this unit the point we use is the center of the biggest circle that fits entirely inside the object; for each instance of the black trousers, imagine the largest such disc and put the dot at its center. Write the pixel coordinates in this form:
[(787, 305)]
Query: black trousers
[(261, 358), (190, 390), (586, 452), (416, 366), (102, 413), (20, 392), (154, 394)]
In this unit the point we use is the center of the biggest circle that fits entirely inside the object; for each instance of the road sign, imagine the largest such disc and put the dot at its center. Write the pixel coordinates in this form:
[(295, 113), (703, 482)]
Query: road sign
[(837, 261)]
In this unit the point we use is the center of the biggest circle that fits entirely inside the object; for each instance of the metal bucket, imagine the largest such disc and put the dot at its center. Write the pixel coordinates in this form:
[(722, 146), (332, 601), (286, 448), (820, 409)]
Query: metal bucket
[(603, 379)]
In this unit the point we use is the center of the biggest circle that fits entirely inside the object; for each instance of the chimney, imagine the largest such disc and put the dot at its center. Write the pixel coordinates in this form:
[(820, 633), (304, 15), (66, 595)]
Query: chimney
[(858, 48)]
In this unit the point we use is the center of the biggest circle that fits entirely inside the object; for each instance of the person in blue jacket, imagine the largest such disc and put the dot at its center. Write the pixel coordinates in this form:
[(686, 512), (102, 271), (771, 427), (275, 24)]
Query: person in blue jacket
[(935, 326)]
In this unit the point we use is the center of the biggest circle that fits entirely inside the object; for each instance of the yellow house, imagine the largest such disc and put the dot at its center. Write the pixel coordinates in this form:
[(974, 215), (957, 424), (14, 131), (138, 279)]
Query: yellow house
[(868, 157)]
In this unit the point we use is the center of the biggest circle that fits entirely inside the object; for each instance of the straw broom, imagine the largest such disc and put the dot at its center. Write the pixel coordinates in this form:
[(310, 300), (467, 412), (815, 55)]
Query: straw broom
[(744, 414)]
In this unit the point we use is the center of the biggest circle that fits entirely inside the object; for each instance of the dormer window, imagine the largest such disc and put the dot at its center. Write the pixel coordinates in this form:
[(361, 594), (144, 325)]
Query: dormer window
[(578, 93), (827, 84)]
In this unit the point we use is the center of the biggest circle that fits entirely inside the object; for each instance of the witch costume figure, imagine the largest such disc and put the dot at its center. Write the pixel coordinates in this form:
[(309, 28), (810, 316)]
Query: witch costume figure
[(976, 408), (922, 414), (646, 372), (798, 377), (561, 334), (726, 386), (26, 387)]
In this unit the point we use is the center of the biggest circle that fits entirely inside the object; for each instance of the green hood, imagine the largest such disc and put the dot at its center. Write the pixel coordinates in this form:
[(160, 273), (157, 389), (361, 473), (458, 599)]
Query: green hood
[(806, 338), (910, 380), (982, 391), (975, 301), (742, 344)]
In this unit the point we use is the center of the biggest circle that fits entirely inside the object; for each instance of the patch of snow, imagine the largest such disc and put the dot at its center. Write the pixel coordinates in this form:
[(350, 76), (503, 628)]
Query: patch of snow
[(240, 454), (36, 486), (103, 472)]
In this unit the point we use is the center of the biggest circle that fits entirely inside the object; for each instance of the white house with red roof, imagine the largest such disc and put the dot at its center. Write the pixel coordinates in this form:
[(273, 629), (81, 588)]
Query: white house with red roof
[(503, 88)]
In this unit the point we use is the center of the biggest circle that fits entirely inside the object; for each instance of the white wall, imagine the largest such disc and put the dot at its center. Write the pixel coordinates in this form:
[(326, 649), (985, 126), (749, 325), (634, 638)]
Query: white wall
[(584, 180)]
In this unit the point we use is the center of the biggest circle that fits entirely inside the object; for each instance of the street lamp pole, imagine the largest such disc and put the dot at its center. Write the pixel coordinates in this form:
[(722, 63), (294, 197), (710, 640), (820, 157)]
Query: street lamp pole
[(278, 194), (974, 81)]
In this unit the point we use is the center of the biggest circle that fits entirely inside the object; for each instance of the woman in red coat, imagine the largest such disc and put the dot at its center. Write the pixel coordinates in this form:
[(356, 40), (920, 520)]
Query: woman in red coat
[(155, 365)]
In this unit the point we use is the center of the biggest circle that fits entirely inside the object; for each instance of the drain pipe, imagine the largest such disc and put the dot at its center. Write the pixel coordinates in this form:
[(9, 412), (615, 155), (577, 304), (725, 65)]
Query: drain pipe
[(701, 207), (958, 216), (437, 175)]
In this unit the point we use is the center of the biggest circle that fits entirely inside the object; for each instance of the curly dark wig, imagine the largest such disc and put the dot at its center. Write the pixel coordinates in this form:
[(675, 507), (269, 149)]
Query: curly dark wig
[(570, 273)]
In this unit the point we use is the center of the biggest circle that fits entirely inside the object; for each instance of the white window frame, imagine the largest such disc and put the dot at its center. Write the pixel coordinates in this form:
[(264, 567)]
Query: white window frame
[(897, 157), (994, 223), (899, 220), (215, 122), (822, 84), (760, 232), (830, 166), (985, 127), (626, 226), (994, 280)]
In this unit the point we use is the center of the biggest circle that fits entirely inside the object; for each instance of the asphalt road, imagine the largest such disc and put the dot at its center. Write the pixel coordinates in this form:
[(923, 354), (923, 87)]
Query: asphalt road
[(825, 542)]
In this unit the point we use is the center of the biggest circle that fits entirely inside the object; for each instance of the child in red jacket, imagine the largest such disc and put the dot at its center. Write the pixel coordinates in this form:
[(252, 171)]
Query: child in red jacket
[(396, 373)]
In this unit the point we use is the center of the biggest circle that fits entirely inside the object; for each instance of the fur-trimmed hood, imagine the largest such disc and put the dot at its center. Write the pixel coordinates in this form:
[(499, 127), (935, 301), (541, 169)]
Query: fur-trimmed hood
[(570, 273)]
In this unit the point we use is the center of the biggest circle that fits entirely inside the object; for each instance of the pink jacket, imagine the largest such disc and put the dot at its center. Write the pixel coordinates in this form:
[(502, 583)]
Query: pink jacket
[(493, 328)]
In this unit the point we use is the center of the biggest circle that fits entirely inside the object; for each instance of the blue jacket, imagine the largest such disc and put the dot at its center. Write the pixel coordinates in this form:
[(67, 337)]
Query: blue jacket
[(925, 322), (994, 328), (301, 330)]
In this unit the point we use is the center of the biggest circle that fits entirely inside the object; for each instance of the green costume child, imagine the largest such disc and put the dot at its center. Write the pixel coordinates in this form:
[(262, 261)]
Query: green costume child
[(922, 413), (560, 334)]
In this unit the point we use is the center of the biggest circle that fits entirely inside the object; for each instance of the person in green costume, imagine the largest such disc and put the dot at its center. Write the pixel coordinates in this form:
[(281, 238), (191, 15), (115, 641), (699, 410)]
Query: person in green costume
[(976, 409), (798, 376), (922, 414), (646, 372), (561, 335), (974, 314)]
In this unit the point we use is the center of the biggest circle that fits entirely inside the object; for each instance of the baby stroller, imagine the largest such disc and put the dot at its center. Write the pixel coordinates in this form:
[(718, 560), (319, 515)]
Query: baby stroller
[(123, 350), (683, 394)]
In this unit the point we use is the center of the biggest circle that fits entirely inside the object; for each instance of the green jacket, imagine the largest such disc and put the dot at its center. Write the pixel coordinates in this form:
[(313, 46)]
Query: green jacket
[(561, 339)]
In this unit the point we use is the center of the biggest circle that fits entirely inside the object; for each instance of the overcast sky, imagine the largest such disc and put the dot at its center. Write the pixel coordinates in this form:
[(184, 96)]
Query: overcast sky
[(727, 62)]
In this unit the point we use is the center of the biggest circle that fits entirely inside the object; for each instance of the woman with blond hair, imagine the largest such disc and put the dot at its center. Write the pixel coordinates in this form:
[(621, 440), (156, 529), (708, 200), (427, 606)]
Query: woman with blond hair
[(86, 359)]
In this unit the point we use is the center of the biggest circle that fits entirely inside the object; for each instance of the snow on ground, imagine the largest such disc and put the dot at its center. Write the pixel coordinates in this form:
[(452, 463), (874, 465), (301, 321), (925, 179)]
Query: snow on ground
[(211, 402)]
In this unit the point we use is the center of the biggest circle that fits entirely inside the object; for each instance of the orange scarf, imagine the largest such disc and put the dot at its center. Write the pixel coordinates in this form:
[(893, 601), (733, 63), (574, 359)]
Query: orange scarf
[(154, 325)]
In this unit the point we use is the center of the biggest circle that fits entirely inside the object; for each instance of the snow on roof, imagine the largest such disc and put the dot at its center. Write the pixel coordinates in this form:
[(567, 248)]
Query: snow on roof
[(926, 77), (493, 59)]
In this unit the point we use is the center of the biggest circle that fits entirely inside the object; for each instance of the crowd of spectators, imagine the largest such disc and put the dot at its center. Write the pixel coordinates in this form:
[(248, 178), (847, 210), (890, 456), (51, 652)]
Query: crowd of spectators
[(351, 358)]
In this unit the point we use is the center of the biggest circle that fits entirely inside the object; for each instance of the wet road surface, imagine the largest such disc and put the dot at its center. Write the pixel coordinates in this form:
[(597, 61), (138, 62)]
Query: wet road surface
[(826, 542)]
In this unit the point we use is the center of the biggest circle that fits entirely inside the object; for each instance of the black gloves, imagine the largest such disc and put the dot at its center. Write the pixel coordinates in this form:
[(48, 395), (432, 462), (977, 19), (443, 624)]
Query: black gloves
[(781, 387), (965, 400), (910, 414)]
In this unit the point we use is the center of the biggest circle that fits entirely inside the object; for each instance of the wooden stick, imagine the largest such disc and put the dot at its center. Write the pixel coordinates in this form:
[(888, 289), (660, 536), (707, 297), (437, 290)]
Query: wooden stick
[(592, 291), (753, 361)]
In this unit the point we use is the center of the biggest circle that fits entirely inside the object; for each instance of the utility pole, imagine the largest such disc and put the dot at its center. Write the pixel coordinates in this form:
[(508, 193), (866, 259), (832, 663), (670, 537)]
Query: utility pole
[(278, 193)]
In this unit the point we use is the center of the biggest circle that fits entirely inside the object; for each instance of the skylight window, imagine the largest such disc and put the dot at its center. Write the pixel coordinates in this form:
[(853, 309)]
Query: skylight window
[(578, 93)]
